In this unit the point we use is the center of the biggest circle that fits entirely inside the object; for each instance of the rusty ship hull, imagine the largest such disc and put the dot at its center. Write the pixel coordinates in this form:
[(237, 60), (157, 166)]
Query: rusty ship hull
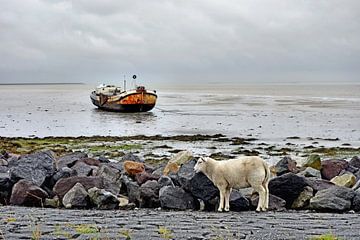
[(137, 100)]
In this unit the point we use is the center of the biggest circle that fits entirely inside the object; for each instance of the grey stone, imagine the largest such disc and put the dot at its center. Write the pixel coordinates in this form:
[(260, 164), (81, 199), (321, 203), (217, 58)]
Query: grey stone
[(131, 157), (285, 165), (288, 187), (103, 199), (149, 194), (275, 203), (76, 197), (69, 160), (176, 198), (310, 172), (355, 162), (334, 199), (238, 202), (303, 200), (34, 167), (165, 181), (112, 178), (82, 169)]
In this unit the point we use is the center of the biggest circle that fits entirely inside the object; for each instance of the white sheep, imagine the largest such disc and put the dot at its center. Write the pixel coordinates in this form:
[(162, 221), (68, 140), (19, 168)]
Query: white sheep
[(241, 172)]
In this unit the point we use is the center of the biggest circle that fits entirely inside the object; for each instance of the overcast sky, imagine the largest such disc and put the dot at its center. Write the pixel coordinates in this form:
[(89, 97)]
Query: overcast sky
[(179, 41)]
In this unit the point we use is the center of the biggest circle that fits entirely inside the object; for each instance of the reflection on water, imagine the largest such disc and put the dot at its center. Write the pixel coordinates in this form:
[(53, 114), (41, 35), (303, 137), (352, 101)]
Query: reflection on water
[(102, 116)]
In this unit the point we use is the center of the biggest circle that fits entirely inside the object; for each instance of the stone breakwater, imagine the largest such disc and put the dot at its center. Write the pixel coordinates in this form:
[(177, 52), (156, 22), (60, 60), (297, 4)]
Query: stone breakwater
[(24, 223)]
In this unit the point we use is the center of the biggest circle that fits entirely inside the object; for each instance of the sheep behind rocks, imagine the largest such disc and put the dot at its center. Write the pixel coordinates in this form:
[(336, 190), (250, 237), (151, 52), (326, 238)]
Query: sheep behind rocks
[(241, 172)]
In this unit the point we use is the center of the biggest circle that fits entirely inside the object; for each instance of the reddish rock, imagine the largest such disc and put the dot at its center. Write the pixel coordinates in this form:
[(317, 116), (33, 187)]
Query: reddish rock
[(133, 168), (143, 177), (91, 161), (28, 194), (65, 184), (332, 168)]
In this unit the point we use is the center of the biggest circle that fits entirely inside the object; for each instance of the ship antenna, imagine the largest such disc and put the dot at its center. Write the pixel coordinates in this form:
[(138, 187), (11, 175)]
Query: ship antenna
[(124, 83)]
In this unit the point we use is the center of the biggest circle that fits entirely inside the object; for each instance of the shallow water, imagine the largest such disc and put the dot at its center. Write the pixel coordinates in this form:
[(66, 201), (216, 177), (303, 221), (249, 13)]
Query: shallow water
[(268, 112)]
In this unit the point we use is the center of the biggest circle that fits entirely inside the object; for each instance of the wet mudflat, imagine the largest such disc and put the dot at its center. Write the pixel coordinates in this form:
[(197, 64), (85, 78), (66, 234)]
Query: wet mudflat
[(25, 223)]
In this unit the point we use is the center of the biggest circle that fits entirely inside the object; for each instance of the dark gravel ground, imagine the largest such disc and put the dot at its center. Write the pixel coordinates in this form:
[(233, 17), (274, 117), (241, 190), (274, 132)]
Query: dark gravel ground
[(27, 223)]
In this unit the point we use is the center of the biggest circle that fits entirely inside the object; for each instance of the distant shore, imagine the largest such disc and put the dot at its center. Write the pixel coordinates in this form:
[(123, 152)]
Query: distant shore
[(47, 83)]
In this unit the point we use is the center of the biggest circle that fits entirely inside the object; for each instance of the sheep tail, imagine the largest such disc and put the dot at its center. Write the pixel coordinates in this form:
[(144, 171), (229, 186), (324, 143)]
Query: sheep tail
[(267, 173)]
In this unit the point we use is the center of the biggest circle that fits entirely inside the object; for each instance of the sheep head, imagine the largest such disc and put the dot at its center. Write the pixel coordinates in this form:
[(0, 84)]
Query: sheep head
[(200, 165)]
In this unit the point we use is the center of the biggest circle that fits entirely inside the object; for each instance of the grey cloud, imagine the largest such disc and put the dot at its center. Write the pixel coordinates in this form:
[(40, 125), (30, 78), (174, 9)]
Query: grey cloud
[(90, 41)]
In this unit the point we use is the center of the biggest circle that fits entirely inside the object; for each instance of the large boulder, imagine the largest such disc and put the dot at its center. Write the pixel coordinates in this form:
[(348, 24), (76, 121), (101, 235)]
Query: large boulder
[(64, 172), (238, 202), (132, 189), (69, 160), (310, 172), (65, 184), (185, 175), (201, 187), (176, 161), (131, 157), (356, 201), (332, 168), (355, 162), (149, 194), (176, 198), (318, 184), (112, 178), (143, 177), (313, 161), (82, 169), (275, 203), (303, 200), (346, 180), (285, 165), (165, 181), (334, 199), (27, 193), (288, 187), (34, 167), (76, 197), (132, 168), (103, 199), (5, 188)]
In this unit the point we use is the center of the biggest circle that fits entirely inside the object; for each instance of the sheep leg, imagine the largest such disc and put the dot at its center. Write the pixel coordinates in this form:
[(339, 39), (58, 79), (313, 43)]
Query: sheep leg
[(266, 187), (222, 198), (227, 199), (261, 204)]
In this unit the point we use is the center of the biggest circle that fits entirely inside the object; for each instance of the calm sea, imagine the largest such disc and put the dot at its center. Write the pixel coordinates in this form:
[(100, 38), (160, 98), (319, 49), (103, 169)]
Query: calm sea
[(269, 112)]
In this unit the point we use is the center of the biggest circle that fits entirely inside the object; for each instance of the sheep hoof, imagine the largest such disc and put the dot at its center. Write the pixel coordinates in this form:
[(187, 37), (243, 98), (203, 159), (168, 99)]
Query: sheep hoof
[(257, 210), (220, 210), (226, 210)]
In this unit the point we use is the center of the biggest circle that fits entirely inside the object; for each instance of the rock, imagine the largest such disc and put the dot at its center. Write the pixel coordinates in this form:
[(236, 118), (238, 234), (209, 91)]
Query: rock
[(123, 201), (346, 180), (288, 187), (76, 197), (64, 172), (176, 198), (310, 172), (149, 194), (82, 169), (4, 169), (175, 162), (332, 168), (103, 199), (355, 162), (112, 178), (201, 187), (52, 202), (143, 177), (132, 189), (356, 201), (185, 175), (69, 160), (27, 193), (334, 199), (275, 203), (313, 161), (238, 202), (303, 200), (131, 157), (171, 168), (132, 168), (3, 162), (65, 184), (5, 188), (165, 181), (285, 165), (91, 161), (34, 167), (319, 184)]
